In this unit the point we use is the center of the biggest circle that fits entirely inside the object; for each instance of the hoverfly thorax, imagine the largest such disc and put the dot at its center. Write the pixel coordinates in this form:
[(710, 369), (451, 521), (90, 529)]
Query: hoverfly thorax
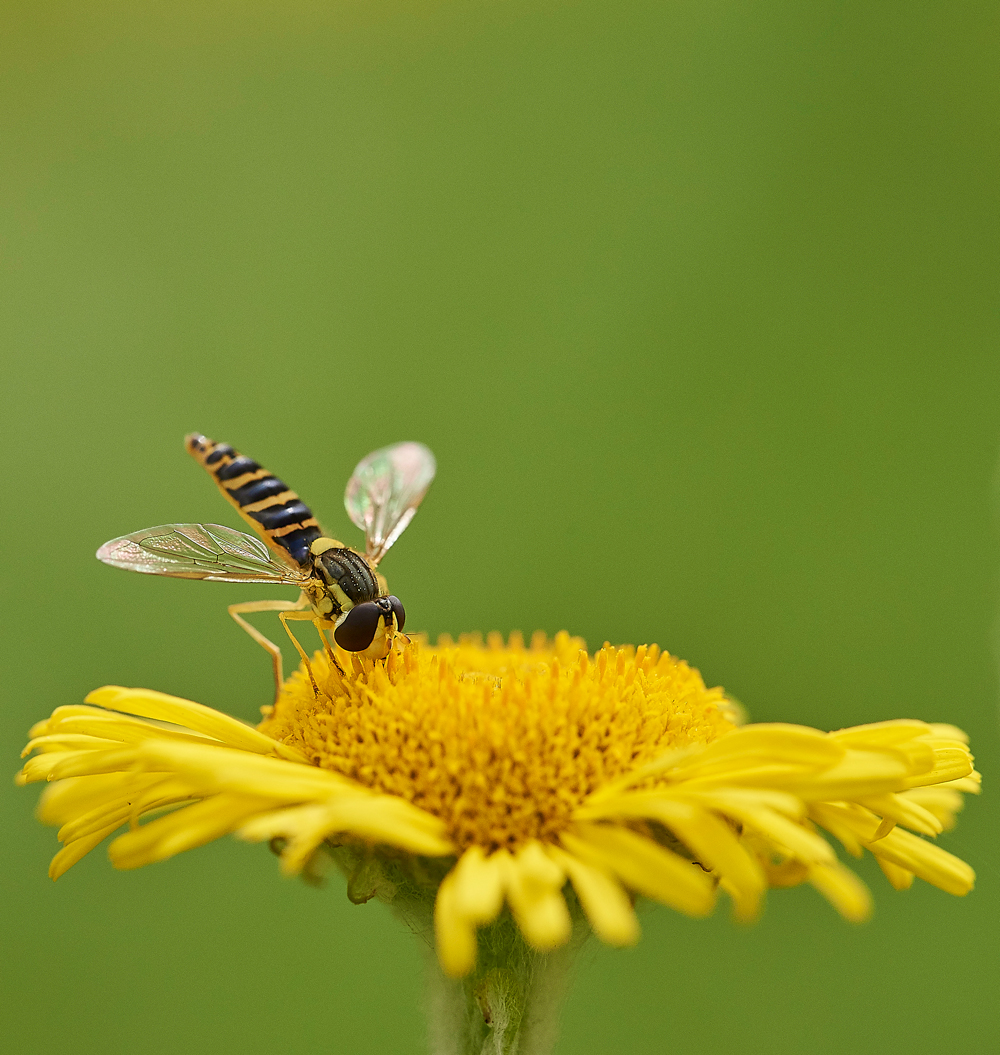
[(346, 591), (348, 577)]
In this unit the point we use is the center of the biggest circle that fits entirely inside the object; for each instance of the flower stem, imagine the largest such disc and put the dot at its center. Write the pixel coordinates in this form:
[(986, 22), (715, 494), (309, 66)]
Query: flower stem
[(509, 1005)]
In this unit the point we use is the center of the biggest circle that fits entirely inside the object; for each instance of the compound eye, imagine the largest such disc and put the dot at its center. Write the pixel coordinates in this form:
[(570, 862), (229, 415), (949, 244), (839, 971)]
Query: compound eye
[(357, 631), (398, 610)]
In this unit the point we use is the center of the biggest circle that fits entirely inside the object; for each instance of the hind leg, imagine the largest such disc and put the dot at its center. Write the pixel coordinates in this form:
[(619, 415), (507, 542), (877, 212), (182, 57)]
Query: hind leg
[(249, 607)]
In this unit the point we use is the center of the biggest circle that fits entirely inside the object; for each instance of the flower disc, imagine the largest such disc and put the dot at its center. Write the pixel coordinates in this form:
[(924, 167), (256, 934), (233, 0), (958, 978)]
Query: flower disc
[(502, 742)]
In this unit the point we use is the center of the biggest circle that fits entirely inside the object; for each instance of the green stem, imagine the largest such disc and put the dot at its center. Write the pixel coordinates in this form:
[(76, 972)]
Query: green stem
[(509, 1005)]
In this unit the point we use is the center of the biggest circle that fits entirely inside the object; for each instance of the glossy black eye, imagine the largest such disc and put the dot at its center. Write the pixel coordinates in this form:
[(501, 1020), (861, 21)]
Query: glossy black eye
[(398, 610), (357, 630)]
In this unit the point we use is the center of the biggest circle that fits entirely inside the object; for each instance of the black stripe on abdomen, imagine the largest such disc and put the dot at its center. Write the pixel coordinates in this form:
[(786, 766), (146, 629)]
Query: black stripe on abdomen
[(221, 451), (237, 467), (288, 514), (257, 490), (297, 542)]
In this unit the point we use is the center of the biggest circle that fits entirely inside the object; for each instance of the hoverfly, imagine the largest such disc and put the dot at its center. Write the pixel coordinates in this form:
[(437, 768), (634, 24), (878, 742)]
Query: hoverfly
[(340, 587)]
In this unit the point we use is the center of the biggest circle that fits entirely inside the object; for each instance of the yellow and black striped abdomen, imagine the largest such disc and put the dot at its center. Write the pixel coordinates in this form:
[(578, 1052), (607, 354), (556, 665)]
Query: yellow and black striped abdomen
[(275, 511)]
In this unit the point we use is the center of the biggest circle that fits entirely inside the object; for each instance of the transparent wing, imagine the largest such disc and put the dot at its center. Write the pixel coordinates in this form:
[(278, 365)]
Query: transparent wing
[(384, 492), (197, 551)]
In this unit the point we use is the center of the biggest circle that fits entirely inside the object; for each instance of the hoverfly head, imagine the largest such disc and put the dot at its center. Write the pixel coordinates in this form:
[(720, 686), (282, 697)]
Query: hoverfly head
[(370, 627)]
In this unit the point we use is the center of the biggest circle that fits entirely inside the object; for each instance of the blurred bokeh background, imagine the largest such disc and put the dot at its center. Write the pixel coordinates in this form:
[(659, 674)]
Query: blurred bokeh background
[(695, 301)]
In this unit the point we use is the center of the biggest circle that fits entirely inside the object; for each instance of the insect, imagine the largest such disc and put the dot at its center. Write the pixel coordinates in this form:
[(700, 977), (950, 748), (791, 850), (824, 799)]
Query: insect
[(340, 587)]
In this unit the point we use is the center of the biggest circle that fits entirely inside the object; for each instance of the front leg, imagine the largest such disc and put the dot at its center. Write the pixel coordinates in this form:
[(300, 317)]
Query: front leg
[(322, 625), (291, 614)]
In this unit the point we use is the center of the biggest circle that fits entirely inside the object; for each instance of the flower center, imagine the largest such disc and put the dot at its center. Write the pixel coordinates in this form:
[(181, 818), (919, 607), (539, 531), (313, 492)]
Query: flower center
[(502, 742)]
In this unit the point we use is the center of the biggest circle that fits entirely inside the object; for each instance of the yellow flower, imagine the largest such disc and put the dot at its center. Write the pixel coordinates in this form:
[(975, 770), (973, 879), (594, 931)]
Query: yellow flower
[(478, 776)]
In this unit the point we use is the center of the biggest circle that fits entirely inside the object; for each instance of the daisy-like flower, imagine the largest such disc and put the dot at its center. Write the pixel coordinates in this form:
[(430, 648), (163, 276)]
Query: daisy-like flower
[(506, 799)]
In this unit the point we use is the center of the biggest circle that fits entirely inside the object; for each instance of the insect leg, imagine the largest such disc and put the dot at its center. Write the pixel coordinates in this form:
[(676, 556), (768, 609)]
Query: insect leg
[(285, 616), (248, 607), (330, 654)]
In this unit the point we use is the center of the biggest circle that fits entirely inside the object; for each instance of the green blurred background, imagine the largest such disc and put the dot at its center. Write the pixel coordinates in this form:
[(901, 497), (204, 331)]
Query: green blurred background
[(696, 302)]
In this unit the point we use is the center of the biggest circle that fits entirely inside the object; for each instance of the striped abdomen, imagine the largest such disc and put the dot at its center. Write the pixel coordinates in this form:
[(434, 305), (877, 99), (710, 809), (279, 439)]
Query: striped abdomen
[(275, 511)]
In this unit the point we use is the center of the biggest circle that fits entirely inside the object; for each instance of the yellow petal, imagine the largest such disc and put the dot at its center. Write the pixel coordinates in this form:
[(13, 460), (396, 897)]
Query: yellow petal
[(184, 829), (305, 828), (895, 731), (39, 767), (786, 835), (950, 763), (216, 769), (903, 849), (668, 760), (886, 825), (96, 722), (972, 784), (455, 936), (924, 859), (375, 818), (159, 705), (98, 819), (712, 842), (51, 724), (858, 773), (72, 797), (84, 763), (842, 888), (773, 742), (944, 802), (478, 886), (900, 878), (715, 845), (643, 866), (786, 873), (949, 732), (905, 811), (72, 852), (834, 825), (607, 906), (126, 808), (66, 742), (631, 803), (533, 885), (536, 867)]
